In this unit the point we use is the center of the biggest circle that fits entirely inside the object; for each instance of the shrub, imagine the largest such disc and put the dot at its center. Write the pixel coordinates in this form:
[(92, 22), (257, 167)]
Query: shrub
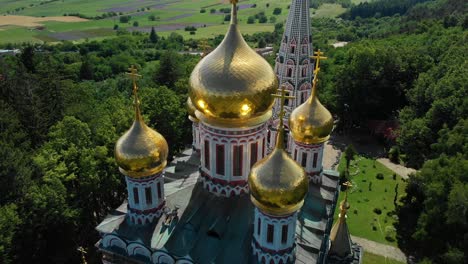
[(377, 211), (136, 24), (355, 211), (116, 27), (379, 176), (394, 176), (277, 11), (374, 228), (227, 17), (251, 20), (192, 32), (124, 19), (202, 10)]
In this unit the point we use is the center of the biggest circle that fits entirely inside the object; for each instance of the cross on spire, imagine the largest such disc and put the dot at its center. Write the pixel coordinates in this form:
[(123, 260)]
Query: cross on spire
[(318, 56), (134, 76), (348, 185), (282, 96)]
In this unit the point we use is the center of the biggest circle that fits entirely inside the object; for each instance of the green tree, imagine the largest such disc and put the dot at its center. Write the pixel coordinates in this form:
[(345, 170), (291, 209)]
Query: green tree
[(169, 69), (261, 43), (9, 223), (153, 36), (350, 154)]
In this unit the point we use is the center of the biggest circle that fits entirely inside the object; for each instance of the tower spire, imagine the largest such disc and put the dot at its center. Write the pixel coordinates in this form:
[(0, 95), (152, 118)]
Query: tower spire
[(234, 12), (317, 57), (136, 101), (282, 97)]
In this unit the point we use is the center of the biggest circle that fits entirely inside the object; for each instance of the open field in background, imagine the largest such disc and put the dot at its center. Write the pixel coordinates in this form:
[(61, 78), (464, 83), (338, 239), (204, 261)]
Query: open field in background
[(171, 16), (369, 194)]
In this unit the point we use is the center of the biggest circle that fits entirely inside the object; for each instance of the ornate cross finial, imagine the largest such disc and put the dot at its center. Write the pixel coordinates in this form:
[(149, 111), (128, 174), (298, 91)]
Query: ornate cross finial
[(318, 56), (134, 76), (282, 97), (348, 185)]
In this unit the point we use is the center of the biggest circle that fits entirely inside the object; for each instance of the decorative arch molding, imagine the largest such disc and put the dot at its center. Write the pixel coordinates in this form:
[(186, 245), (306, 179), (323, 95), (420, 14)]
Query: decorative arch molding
[(288, 86), (135, 249), (305, 41), (305, 62), (113, 241), (305, 86), (290, 62), (293, 41), (161, 256)]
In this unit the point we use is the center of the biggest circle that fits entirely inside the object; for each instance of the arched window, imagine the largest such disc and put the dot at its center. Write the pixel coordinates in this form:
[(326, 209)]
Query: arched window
[(148, 196), (315, 160), (304, 71), (136, 198), (270, 233), (284, 234), (207, 154), (237, 160), (253, 153), (259, 226), (159, 190), (304, 160), (220, 159), (289, 72)]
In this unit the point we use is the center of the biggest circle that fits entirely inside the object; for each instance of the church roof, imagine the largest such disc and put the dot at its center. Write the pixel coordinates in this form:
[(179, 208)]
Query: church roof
[(212, 229)]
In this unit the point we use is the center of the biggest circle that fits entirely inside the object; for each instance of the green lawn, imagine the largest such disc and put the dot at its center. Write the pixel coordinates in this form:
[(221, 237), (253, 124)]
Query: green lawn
[(368, 194), (370, 258), (328, 10)]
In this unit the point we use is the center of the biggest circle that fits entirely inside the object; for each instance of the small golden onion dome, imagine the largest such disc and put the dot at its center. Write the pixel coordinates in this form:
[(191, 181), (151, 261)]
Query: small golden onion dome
[(191, 110), (231, 86), (141, 151), (311, 122), (278, 185)]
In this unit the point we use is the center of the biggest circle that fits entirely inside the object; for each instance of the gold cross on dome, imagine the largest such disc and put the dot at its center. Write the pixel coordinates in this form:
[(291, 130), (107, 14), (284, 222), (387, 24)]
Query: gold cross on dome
[(318, 56), (133, 76), (348, 185), (282, 96)]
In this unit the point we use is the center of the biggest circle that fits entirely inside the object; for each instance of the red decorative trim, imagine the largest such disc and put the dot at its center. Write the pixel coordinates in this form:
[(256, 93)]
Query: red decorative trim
[(223, 182), (309, 146), (146, 179), (149, 211), (232, 133), (314, 173), (274, 252)]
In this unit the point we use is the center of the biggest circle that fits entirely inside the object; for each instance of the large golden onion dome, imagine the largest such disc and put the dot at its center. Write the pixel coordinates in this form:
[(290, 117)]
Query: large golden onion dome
[(191, 110), (278, 185), (231, 86), (311, 122), (141, 151)]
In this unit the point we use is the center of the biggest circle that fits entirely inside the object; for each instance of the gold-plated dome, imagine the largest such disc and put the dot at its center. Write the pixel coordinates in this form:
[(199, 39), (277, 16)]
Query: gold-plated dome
[(311, 122), (141, 151), (191, 110), (278, 185), (231, 86)]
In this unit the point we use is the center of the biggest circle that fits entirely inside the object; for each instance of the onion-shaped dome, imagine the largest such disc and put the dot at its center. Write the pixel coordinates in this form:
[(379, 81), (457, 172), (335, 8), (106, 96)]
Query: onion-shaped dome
[(191, 110), (141, 151), (311, 122), (231, 86), (278, 185)]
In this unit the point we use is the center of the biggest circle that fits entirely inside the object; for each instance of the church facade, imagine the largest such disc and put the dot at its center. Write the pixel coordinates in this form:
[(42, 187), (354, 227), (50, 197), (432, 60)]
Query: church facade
[(250, 200)]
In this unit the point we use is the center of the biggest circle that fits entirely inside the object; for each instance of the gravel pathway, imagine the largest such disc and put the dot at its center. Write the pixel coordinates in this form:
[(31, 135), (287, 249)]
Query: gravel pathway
[(380, 249), (398, 169)]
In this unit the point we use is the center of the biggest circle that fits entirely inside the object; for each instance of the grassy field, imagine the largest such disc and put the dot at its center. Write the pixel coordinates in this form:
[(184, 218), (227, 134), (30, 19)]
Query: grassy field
[(370, 258), (171, 15), (372, 200)]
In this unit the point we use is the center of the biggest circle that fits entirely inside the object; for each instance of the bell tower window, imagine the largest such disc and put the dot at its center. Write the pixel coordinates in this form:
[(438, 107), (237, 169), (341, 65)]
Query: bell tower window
[(253, 153), (284, 234), (304, 160), (315, 160), (207, 154)]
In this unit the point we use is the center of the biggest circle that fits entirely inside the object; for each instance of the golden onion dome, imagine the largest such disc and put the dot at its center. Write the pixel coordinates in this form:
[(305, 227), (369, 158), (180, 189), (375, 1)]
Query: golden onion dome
[(191, 110), (141, 151), (278, 185), (311, 122), (231, 86)]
